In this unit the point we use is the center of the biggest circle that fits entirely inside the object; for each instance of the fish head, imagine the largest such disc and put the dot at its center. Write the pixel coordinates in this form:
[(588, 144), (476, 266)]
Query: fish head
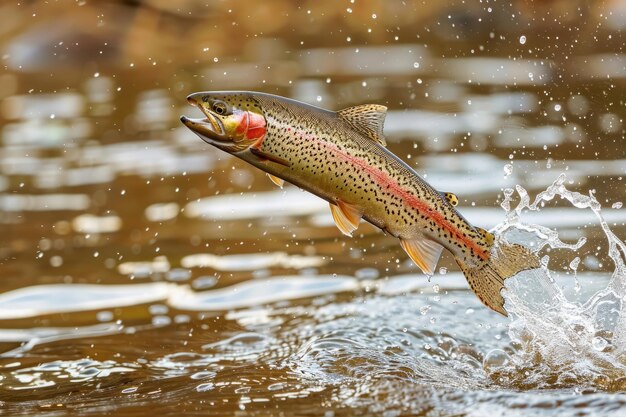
[(233, 121)]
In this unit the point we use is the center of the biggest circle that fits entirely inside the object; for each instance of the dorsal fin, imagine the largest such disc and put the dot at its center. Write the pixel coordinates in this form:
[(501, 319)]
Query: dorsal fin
[(452, 199), (367, 119)]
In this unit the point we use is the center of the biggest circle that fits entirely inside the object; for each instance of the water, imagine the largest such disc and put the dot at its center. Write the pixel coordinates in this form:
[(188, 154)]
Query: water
[(145, 272)]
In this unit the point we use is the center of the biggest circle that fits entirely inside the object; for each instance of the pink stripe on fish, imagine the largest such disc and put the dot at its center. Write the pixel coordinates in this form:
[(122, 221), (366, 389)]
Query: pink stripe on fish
[(409, 198)]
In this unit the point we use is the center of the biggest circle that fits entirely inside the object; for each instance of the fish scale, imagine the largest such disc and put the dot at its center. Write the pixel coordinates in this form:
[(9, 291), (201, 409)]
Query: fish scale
[(305, 142), (341, 157)]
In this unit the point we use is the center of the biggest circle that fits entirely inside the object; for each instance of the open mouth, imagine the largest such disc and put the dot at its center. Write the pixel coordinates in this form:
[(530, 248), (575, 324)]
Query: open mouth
[(210, 127)]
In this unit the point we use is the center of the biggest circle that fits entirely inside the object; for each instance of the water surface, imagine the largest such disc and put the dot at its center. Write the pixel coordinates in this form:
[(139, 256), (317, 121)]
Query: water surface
[(145, 272)]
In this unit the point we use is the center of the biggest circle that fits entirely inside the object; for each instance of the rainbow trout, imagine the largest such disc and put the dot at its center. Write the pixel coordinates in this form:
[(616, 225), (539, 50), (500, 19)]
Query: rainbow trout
[(341, 157)]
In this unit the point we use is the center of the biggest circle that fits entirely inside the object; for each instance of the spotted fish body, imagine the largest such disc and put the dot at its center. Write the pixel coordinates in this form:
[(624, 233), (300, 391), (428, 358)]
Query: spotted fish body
[(340, 157)]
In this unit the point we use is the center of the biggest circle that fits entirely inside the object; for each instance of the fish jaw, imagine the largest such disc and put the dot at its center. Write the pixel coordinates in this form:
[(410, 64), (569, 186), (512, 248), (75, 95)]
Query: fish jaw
[(210, 129), (231, 126)]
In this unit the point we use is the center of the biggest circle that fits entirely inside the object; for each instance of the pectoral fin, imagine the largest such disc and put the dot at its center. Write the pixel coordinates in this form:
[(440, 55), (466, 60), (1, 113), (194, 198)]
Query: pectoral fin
[(424, 252), (346, 217), (264, 156), (278, 181)]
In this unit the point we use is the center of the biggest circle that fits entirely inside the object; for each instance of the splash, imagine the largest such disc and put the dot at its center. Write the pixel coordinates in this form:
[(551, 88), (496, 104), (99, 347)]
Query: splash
[(558, 342)]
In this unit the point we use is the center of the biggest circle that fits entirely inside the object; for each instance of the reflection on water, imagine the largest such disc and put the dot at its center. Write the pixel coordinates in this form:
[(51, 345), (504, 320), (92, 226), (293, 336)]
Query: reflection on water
[(144, 271)]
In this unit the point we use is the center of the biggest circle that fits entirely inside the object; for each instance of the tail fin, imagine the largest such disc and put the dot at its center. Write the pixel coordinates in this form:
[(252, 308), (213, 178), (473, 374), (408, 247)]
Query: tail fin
[(487, 278)]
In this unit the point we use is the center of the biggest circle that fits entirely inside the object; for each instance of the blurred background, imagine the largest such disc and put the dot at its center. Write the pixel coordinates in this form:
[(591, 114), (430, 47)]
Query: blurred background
[(101, 184)]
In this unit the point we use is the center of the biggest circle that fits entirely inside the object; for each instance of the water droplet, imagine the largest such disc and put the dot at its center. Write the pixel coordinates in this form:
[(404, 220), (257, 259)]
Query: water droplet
[(577, 286), (574, 263)]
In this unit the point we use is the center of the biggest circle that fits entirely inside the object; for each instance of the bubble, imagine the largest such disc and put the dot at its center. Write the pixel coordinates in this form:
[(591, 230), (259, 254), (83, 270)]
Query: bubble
[(56, 261), (617, 205), (416, 65), (495, 359), (599, 343), (522, 39), (610, 123)]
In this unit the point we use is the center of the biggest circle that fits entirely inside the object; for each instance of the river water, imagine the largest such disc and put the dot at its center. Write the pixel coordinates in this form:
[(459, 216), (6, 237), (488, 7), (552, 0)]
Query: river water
[(143, 271)]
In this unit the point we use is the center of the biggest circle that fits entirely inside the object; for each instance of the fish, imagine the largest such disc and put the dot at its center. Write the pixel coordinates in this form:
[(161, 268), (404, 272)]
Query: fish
[(341, 157)]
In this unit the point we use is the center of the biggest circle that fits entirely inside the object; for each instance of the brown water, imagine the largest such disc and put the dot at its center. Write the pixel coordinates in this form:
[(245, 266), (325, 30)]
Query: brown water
[(145, 272)]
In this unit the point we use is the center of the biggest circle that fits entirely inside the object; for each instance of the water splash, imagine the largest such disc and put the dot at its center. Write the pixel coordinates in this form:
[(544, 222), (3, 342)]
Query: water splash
[(381, 350), (555, 341)]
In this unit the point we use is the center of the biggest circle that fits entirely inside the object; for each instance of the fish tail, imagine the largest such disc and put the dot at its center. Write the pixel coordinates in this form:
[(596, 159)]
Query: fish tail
[(487, 278)]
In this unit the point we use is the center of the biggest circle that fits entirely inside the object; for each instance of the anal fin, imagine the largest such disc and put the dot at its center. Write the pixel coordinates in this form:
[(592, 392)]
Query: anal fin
[(424, 252), (278, 181), (346, 217)]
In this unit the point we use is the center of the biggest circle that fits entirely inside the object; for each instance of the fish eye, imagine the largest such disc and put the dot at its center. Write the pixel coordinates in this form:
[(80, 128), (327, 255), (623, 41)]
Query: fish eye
[(220, 108)]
